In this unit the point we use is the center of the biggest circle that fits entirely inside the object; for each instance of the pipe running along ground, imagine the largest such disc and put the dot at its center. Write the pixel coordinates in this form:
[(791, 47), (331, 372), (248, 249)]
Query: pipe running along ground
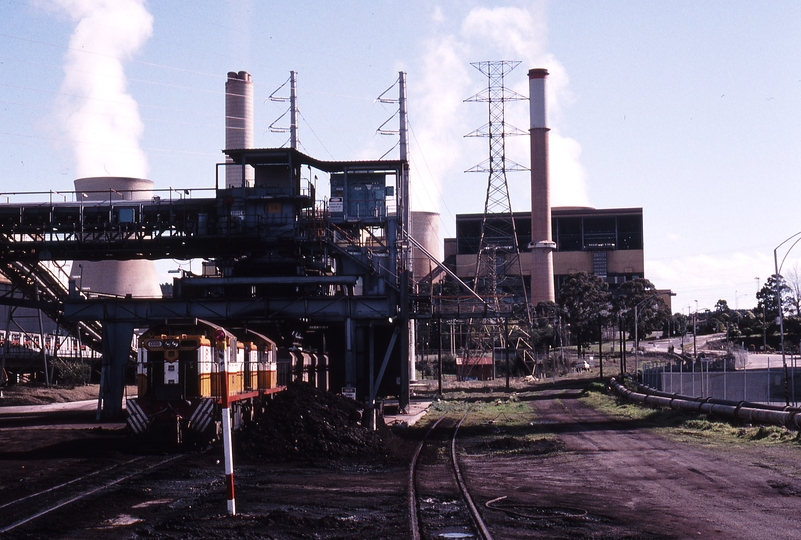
[(754, 413)]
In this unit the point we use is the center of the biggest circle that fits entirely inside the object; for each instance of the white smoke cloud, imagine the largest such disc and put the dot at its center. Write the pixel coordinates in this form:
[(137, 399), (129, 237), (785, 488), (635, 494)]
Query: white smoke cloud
[(101, 118), (502, 33), (437, 118)]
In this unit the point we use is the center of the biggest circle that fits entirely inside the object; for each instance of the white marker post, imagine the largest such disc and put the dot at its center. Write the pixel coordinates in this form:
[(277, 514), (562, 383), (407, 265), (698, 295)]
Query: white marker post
[(226, 421)]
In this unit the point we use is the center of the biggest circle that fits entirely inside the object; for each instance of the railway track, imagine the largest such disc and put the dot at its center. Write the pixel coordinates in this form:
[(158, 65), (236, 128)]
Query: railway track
[(22, 511), (441, 509)]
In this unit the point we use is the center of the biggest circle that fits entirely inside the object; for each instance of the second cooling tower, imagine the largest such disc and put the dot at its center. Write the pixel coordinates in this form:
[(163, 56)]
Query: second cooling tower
[(425, 229), (137, 277)]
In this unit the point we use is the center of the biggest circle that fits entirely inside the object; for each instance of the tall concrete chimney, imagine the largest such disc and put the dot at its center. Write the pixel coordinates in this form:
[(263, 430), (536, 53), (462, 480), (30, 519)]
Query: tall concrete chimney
[(542, 246), (238, 125)]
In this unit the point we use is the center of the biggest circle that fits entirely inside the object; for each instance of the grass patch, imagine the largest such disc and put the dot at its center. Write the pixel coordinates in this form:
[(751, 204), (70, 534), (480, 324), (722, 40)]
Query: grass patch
[(488, 409), (508, 445), (595, 386), (677, 425), (495, 416)]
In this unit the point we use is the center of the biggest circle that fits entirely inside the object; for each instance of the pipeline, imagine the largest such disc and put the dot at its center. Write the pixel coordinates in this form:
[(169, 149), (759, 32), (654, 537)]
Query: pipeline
[(740, 410), (645, 389)]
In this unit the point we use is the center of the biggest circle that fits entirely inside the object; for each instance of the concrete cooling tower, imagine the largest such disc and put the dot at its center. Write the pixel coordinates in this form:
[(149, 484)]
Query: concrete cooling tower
[(138, 277), (425, 229), (238, 125)]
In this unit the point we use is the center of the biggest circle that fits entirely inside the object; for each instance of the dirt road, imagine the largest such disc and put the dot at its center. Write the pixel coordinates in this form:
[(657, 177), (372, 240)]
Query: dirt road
[(634, 483)]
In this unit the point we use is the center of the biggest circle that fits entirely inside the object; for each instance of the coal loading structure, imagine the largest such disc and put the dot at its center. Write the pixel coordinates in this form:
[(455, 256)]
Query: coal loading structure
[(275, 262), (328, 285)]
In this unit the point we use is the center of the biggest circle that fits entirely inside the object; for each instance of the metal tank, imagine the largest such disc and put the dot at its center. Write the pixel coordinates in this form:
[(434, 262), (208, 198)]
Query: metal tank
[(136, 277), (238, 125)]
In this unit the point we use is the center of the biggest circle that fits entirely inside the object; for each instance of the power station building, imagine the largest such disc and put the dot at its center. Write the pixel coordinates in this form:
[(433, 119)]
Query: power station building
[(553, 242), (605, 242)]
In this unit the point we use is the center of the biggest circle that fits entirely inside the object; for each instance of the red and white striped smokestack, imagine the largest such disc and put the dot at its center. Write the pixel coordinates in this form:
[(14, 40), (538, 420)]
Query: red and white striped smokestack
[(542, 246)]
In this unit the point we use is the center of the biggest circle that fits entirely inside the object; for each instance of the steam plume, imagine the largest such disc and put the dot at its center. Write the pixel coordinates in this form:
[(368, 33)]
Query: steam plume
[(100, 117)]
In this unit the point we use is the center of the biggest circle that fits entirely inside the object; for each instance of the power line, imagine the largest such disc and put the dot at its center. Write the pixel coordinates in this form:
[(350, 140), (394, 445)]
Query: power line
[(106, 55)]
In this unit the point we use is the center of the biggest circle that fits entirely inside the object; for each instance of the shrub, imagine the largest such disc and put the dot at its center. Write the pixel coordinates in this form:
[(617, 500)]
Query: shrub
[(71, 372)]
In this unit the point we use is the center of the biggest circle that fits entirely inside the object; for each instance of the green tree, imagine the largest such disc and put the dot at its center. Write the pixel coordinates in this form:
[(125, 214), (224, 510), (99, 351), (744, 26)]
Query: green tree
[(652, 312), (749, 324), (679, 324), (586, 302), (768, 307), (717, 320), (722, 306), (546, 315), (734, 324)]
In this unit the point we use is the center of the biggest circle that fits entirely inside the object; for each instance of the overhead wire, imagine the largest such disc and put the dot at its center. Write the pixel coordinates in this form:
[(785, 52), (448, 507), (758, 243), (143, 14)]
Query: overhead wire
[(106, 55), (315, 134)]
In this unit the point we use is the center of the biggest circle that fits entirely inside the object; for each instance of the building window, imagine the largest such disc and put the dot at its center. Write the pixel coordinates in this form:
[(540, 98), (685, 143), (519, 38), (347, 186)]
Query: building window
[(600, 233), (568, 234), (599, 263), (629, 233)]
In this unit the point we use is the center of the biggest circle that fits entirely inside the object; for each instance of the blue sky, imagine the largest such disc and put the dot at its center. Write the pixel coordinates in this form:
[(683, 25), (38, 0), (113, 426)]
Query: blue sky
[(688, 109)]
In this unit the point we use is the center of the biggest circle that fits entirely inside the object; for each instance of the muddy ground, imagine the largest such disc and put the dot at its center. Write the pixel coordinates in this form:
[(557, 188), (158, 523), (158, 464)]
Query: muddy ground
[(568, 470)]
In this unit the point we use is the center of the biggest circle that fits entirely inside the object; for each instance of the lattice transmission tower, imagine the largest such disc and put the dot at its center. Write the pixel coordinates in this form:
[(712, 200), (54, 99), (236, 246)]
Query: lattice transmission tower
[(498, 271)]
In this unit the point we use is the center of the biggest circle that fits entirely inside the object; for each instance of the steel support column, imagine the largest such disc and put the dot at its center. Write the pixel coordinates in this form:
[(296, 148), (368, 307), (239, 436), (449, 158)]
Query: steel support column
[(116, 355)]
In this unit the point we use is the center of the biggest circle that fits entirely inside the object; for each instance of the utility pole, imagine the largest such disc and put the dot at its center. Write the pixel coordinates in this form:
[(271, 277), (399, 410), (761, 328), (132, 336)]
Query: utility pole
[(600, 348), (498, 268), (404, 219), (498, 248), (293, 110)]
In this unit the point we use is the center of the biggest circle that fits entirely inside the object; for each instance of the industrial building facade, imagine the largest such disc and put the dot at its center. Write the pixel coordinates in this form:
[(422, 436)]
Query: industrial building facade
[(605, 242)]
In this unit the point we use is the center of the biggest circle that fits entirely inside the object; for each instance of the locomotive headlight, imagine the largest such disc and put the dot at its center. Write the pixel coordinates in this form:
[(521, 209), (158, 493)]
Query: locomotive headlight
[(170, 343)]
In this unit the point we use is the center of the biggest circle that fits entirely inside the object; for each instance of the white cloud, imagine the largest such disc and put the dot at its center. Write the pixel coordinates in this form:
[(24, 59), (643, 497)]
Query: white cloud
[(95, 109), (567, 175), (437, 117), (441, 118), (709, 278)]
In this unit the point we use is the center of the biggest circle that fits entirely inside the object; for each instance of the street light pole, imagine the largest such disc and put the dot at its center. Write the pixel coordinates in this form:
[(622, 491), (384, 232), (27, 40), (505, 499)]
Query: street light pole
[(636, 342), (781, 311)]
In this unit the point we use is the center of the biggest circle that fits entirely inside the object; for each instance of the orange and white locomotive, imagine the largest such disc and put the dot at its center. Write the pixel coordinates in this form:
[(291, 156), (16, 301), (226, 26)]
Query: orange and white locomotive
[(183, 370)]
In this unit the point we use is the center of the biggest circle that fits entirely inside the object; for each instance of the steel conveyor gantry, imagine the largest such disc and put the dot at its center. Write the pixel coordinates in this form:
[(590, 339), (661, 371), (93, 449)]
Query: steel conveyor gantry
[(275, 254)]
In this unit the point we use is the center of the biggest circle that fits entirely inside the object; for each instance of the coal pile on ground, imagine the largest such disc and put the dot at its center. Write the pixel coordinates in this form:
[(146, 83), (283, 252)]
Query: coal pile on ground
[(306, 424)]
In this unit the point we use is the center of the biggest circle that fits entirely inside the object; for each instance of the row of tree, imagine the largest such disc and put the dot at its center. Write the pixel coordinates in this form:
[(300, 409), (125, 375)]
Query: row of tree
[(759, 326), (586, 311), (587, 306)]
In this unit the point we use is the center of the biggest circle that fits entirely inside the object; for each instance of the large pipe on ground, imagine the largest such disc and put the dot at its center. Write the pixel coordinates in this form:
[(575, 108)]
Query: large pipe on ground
[(747, 412)]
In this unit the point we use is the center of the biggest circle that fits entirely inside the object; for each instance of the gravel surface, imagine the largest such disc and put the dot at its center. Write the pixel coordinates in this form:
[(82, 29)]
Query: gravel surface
[(564, 470)]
